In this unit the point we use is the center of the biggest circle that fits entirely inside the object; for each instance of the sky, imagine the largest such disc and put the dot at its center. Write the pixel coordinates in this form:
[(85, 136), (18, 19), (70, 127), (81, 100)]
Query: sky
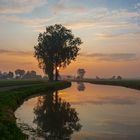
[(109, 30)]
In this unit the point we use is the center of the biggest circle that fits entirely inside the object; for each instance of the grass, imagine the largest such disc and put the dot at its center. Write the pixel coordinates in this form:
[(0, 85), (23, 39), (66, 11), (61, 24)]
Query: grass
[(134, 84), (10, 100), (5, 83)]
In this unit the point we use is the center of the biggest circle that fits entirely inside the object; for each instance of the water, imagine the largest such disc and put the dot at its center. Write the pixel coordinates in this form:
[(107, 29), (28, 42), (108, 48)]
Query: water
[(82, 112)]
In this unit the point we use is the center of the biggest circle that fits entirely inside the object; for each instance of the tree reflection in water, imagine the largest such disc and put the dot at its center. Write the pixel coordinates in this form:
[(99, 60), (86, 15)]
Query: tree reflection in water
[(81, 86), (55, 119)]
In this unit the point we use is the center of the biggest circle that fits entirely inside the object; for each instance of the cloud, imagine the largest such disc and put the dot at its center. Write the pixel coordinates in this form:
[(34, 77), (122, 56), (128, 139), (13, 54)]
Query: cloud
[(19, 6), (110, 100), (14, 59), (17, 53), (97, 24), (62, 6), (97, 18), (112, 57), (106, 35), (58, 8), (137, 6), (35, 23), (124, 13), (117, 100), (104, 18)]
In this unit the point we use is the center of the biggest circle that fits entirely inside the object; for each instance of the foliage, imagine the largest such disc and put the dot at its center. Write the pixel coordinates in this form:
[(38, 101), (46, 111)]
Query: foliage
[(80, 73), (19, 72), (57, 46)]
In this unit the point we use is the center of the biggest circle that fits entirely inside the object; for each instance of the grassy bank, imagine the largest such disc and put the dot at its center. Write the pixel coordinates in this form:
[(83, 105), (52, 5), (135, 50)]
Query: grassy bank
[(10, 100), (6, 83), (134, 84)]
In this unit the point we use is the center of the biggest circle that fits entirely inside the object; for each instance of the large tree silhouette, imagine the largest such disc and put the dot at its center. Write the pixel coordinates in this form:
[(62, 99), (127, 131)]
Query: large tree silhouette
[(56, 120), (56, 47)]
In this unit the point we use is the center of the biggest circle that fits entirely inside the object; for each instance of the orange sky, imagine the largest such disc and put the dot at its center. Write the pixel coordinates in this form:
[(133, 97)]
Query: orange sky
[(94, 66)]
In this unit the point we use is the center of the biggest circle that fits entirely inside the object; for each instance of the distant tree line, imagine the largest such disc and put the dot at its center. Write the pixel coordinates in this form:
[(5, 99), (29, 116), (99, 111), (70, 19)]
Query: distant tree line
[(20, 74), (112, 78)]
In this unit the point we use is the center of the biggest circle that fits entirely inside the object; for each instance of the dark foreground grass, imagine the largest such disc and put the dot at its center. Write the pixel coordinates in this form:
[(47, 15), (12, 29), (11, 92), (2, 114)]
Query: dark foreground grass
[(6, 83), (10, 100), (134, 84)]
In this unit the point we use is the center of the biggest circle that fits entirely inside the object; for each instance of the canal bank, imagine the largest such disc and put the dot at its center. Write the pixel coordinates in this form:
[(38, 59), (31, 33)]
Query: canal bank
[(133, 84), (9, 102)]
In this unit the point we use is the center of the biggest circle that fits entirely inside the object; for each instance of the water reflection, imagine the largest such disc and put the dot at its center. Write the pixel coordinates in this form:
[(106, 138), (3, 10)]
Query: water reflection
[(81, 86), (55, 119), (105, 112)]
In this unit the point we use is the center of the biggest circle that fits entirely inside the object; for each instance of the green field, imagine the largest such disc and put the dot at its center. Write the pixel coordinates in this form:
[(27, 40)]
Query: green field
[(5, 83), (11, 99), (134, 84)]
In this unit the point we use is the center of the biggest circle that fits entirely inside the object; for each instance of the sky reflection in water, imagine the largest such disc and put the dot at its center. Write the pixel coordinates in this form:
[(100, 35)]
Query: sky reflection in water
[(99, 112)]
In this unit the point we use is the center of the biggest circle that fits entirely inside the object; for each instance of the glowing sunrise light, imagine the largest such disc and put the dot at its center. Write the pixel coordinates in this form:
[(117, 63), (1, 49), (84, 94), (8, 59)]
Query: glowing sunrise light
[(57, 68)]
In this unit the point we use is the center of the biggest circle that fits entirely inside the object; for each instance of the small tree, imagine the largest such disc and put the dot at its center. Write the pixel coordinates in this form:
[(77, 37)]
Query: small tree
[(113, 77), (0, 74), (80, 73), (56, 48), (30, 75), (33, 73), (10, 75), (119, 78), (4, 75), (19, 73)]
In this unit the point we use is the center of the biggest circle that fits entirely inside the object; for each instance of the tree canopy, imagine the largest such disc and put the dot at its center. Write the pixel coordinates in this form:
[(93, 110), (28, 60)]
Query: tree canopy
[(19, 72), (80, 73), (56, 47)]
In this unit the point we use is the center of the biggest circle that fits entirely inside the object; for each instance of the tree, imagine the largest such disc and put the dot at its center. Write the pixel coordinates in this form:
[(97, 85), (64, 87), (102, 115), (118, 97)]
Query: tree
[(113, 77), (19, 73), (56, 48), (33, 73), (0, 75), (10, 75), (30, 75), (4, 75), (119, 78), (80, 73)]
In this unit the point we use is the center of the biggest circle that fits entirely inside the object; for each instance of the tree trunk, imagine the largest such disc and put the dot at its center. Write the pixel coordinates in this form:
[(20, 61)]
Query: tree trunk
[(49, 71), (56, 74), (50, 76)]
